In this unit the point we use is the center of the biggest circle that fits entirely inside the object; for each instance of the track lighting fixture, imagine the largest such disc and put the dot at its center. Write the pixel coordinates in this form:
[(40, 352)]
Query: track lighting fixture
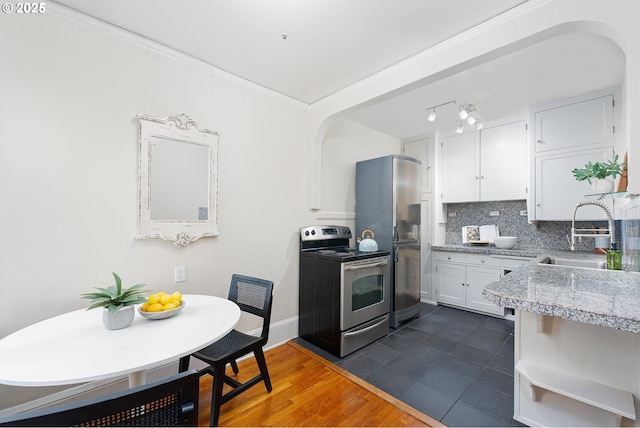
[(466, 112)]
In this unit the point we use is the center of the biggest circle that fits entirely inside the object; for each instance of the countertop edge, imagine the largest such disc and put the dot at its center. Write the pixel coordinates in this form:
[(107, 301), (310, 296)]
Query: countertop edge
[(488, 249), (571, 314)]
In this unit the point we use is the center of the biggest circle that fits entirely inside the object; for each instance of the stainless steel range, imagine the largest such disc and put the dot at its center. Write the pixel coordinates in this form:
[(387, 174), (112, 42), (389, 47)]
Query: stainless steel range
[(344, 293)]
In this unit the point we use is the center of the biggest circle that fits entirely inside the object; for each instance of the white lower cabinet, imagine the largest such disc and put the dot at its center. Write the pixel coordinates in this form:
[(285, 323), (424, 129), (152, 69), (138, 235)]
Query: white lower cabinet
[(460, 278)]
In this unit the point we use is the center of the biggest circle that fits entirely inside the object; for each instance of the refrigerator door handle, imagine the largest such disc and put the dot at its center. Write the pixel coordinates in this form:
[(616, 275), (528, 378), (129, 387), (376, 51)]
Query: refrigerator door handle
[(395, 233), (395, 254)]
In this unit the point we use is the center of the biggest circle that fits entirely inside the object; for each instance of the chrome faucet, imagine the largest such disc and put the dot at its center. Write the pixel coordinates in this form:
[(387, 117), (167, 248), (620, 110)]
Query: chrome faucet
[(591, 232)]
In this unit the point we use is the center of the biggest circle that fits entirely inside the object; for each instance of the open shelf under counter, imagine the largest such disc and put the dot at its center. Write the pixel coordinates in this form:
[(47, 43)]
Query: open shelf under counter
[(596, 394)]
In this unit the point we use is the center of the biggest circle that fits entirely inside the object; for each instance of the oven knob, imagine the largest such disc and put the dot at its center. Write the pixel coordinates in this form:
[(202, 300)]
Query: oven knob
[(313, 232), (306, 233)]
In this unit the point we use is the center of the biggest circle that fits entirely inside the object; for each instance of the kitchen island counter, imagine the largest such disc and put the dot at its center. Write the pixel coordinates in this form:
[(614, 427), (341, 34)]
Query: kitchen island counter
[(593, 296), (575, 343)]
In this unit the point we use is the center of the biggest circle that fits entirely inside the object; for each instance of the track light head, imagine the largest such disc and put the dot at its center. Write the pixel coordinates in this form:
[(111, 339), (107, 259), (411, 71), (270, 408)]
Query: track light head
[(432, 116), (479, 126), (463, 113), (460, 128), (471, 120)]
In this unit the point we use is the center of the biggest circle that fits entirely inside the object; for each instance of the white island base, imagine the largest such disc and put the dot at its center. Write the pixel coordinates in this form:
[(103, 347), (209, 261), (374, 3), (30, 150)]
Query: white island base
[(569, 373)]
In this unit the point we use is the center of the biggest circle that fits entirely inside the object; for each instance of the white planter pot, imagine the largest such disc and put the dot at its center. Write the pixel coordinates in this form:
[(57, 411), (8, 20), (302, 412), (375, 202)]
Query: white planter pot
[(121, 319), (602, 185)]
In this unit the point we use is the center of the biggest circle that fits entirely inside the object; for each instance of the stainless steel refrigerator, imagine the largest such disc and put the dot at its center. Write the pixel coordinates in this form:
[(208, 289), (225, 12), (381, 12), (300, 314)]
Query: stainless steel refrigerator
[(388, 204)]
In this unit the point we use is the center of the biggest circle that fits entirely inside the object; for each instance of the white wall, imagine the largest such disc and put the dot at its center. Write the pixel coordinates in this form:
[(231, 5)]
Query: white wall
[(70, 93), (346, 143)]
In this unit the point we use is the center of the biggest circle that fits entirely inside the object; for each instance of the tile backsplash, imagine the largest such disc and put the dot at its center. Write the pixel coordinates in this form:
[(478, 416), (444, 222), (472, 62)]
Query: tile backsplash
[(548, 235)]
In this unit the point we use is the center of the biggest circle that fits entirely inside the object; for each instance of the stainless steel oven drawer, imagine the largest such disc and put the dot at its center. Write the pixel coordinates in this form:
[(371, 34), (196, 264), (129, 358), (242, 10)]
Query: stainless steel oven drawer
[(364, 334)]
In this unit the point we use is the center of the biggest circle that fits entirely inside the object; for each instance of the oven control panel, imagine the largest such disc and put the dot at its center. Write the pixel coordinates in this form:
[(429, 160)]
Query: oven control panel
[(312, 233)]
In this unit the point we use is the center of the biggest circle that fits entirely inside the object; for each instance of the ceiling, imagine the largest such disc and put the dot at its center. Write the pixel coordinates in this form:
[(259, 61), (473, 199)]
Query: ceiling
[(332, 44)]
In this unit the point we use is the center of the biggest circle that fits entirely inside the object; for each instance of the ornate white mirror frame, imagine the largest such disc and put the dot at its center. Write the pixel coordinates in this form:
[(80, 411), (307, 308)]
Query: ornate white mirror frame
[(177, 180)]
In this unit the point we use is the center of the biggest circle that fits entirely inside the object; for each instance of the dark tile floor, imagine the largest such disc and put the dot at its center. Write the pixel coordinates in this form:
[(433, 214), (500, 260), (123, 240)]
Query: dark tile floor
[(455, 366)]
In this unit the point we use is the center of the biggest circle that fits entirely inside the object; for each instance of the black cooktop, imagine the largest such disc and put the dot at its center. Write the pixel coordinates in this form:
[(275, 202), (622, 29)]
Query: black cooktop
[(344, 254)]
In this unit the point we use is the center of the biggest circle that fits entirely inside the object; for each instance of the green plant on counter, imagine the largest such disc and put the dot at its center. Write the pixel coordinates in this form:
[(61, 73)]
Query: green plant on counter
[(115, 297), (599, 170)]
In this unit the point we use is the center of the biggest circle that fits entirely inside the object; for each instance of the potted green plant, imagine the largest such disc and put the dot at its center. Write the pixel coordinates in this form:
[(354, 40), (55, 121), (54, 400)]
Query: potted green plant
[(118, 303), (600, 172)]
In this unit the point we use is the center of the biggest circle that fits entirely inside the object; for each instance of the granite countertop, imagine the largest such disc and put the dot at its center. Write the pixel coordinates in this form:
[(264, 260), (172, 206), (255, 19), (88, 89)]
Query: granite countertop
[(593, 296), (515, 252), (488, 249)]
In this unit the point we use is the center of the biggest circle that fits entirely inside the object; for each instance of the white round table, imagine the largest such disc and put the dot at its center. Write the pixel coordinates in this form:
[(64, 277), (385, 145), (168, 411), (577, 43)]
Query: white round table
[(75, 347)]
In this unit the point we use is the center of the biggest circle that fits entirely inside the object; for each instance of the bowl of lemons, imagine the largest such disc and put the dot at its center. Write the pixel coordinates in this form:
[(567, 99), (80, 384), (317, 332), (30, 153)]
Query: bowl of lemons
[(162, 305)]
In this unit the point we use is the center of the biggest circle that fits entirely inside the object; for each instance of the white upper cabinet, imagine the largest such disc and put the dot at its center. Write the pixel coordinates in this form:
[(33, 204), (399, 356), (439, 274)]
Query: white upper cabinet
[(568, 134), (503, 162), (577, 124), (557, 192), (460, 168), (489, 165), (423, 150)]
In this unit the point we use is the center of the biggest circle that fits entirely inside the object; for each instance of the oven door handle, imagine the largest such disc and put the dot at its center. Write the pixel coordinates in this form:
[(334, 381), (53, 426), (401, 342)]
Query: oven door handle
[(368, 327), (367, 266)]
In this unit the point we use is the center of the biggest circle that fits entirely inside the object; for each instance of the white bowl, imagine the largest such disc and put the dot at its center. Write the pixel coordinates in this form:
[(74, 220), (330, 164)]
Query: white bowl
[(162, 314), (505, 242)]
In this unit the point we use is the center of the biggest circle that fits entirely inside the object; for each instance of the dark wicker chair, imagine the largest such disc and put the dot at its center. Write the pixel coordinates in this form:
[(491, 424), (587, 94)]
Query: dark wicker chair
[(254, 296), (172, 401)]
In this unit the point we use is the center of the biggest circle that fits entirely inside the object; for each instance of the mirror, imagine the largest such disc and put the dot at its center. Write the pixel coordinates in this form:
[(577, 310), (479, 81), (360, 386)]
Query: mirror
[(177, 180)]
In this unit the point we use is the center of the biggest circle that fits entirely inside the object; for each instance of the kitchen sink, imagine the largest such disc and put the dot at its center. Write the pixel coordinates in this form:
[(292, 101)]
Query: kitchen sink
[(579, 263)]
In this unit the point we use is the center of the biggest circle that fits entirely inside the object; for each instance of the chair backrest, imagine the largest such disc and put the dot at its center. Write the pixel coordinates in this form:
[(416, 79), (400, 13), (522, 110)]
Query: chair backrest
[(167, 402), (254, 296)]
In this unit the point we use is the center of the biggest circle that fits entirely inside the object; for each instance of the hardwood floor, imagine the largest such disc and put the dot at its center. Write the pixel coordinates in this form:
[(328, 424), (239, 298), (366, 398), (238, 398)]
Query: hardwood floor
[(308, 391)]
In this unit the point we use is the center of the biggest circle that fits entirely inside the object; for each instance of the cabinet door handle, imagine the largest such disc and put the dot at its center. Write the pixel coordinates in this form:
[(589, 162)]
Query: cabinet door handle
[(541, 142)]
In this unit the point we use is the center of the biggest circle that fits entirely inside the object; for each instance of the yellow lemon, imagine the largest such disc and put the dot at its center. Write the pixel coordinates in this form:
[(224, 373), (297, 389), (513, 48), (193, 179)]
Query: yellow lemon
[(166, 298), (145, 306), (155, 307), (177, 296), (168, 306), (161, 293), (153, 298), (176, 302)]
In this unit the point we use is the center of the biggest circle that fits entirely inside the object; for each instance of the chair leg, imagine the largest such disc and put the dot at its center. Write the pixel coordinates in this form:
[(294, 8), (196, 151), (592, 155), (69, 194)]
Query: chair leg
[(183, 365), (216, 394), (263, 368), (234, 366)]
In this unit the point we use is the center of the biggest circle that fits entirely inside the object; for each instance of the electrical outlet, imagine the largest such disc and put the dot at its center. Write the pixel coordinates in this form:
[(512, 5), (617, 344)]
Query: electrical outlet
[(452, 214), (494, 213), (180, 273), (524, 213)]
